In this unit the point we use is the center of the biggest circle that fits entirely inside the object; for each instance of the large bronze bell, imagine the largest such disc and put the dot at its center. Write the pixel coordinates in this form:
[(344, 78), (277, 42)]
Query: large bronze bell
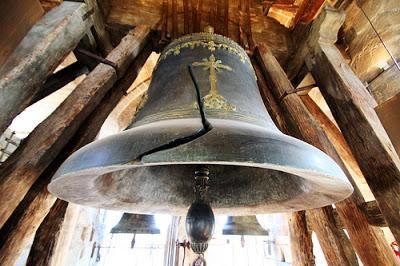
[(243, 225), (136, 224), (222, 125)]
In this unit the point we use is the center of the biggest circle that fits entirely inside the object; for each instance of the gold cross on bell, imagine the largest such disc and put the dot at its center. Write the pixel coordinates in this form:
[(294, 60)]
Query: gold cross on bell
[(213, 100)]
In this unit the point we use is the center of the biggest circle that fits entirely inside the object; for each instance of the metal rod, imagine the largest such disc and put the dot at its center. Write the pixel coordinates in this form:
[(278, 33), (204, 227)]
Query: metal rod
[(97, 58)]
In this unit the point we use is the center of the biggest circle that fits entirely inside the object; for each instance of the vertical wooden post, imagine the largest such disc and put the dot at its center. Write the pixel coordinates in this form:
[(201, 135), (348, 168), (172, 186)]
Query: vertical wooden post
[(47, 235), (226, 17), (300, 237), (304, 126), (352, 107), (300, 240), (185, 16), (102, 36), (174, 19)]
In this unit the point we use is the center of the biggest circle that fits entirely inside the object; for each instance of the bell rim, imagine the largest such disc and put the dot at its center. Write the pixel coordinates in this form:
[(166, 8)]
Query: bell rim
[(343, 190)]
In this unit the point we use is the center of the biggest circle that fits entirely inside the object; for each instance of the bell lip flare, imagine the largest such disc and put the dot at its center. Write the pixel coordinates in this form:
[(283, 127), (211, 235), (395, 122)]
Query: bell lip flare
[(91, 175)]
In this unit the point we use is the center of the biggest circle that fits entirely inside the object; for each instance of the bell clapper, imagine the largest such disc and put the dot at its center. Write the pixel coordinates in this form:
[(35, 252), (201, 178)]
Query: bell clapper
[(200, 221)]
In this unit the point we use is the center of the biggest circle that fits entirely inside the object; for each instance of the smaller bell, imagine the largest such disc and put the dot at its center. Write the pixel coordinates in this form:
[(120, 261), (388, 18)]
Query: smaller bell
[(136, 224), (243, 225)]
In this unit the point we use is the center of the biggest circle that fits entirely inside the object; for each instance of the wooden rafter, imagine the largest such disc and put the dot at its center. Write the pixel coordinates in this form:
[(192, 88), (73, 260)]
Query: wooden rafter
[(186, 16), (174, 19)]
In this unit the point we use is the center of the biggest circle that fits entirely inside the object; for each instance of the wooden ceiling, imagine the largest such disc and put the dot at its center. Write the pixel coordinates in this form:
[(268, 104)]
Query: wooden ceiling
[(245, 21)]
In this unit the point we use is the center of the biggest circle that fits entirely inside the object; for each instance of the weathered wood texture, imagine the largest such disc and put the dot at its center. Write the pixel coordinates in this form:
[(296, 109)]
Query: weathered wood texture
[(301, 244), (16, 18), (300, 236), (47, 235), (352, 107), (322, 223), (101, 34), (37, 56), (386, 85), (19, 172), (128, 13), (349, 102), (16, 233), (371, 211), (21, 226), (367, 53), (389, 115), (60, 79), (365, 241)]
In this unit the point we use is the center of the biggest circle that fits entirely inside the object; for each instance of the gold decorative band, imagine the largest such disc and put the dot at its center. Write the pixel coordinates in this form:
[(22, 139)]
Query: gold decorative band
[(192, 113), (207, 40)]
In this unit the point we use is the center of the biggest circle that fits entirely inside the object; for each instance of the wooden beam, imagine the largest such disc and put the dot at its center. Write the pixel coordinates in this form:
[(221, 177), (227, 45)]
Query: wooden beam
[(21, 226), (19, 229), (313, 8), (331, 239), (352, 107), (390, 118), (304, 126), (386, 85), (101, 34), (60, 79), (371, 211), (20, 171), (47, 235), (226, 17), (194, 4), (174, 19), (325, 28), (337, 248), (186, 17), (38, 55), (13, 30), (301, 244), (249, 32), (199, 12)]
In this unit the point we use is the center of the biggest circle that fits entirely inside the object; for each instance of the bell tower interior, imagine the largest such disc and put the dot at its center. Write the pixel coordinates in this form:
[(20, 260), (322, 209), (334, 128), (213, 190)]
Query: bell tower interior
[(195, 132)]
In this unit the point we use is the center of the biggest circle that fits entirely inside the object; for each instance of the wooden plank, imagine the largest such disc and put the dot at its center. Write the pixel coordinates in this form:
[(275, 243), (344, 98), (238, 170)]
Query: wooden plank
[(21, 226), (186, 17), (16, 19), (226, 17), (194, 4), (390, 117), (350, 105), (249, 31), (337, 248), (301, 243), (19, 229), (20, 171), (47, 235), (199, 13), (386, 85), (371, 211), (369, 245), (331, 239), (174, 19), (353, 209), (37, 56), (60, 79), (300, 240), (313, 8), (101, 34)]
